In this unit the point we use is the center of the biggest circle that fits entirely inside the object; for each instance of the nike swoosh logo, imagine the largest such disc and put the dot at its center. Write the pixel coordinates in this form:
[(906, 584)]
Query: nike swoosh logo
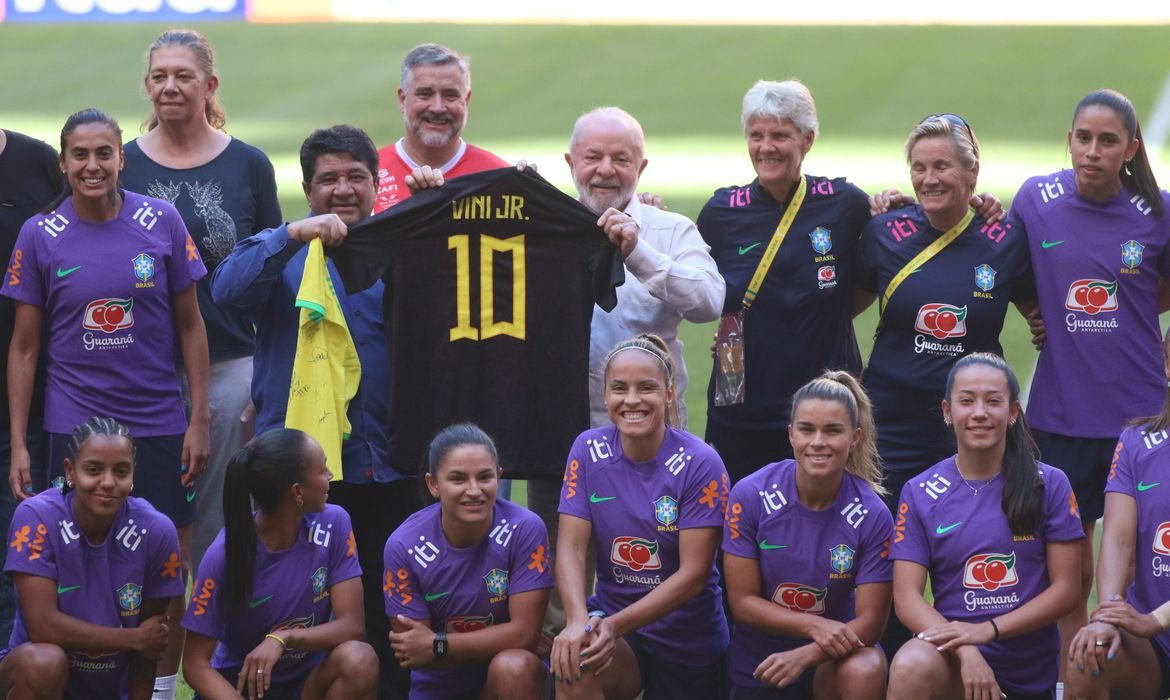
[(1049, 244), (65, 273), (594, 498), (431, 597), (190, 496), (262, 601), (1146, 487), (940, 530), (65, 589), (765, 545), (743, 250)]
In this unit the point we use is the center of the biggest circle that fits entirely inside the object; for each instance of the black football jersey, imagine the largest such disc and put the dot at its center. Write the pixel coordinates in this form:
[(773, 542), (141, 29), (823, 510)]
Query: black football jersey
[(490, 285)]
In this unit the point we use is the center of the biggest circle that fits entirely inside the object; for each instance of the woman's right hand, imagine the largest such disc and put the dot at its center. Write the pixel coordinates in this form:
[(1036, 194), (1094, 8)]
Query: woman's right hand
[(565, 658), (1086, 653), (978, 678), (153, 634), (836, 639), (19, 474), (256, 673)]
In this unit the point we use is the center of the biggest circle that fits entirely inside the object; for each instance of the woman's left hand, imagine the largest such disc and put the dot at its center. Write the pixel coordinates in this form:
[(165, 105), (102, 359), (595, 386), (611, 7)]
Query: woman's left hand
[(782, 668), (989, 207), (256, 674), (957, 634), (1121, 614), (416, 646), (888, 200), (196, 450)]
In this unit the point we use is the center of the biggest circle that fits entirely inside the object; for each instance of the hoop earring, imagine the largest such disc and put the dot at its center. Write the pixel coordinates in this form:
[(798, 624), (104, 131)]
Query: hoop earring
[(69, 483), (300, 502)]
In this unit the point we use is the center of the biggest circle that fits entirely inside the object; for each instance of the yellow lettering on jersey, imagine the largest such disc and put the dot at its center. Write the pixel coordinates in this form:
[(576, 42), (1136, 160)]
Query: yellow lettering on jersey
[(517, 327), (463, 329), (982, 295), (511, 208), (1127, 271), (481, 206)]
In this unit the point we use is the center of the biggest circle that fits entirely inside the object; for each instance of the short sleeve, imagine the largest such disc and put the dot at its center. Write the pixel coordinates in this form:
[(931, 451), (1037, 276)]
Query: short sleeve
[(185, 265), (910, 541), (1062, 517), (574, 499), (1121, 469), (531, 568), (163, 569), (343, 557), (23, 280), (30, 548), (741, 526), (400, 589), (874, 564), (704, 498), (1024, 281), (865, 271), (205, 612)]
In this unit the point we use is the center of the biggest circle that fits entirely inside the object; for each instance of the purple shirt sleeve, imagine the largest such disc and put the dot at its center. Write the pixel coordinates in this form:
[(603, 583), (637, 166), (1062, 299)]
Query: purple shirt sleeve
[(30, 548), (704, 501), (874, 564), (1121, 470), (204, 614), (743, 518), (531, 567), (24, 281), (163, 565), (1062, 517), (574, 493), (401, 590), (910, 541), (343, 558)]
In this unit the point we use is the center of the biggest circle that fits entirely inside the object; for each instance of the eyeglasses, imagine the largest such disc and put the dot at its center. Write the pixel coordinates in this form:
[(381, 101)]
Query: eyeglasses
[(956, 120)]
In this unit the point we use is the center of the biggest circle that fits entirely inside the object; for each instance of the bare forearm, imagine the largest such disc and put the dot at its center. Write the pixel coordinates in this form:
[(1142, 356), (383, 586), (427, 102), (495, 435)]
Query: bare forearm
[(326, 636), (670, 594)]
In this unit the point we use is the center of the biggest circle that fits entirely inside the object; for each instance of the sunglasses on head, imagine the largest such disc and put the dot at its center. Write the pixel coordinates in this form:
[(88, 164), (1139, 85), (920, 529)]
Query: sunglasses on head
[(955, 120)]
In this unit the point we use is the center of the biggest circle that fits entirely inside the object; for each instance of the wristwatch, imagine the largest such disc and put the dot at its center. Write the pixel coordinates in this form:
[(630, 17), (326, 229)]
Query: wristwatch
[(439, 647)]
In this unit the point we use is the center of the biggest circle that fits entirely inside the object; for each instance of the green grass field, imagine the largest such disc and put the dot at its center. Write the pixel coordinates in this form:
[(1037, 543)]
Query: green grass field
[(1016, 86)]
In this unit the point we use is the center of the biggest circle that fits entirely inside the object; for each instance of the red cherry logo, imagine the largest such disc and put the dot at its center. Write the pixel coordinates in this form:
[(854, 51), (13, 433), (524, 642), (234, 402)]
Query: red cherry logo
[(996, 572), (788, 597), (1081, 296), (979, 572), (1166, 539), (1098, 296), (805, 600)]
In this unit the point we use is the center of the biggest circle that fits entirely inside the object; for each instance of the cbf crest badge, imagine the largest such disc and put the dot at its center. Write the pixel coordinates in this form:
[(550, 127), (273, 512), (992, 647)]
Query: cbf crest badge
[(143, 267), (319, 579), (666, 511), (1131, 253), (497, 582), (841, 558), (130, 598), (822, 240), (985, 277)]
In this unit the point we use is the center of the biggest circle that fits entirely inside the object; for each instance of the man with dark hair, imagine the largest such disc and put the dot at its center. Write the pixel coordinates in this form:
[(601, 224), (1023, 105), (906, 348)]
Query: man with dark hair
[(260, 279), (433, 96)]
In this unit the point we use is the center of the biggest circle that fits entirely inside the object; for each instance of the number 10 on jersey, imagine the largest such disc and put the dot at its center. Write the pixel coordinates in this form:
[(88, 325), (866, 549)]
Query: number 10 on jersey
[(489, 327)]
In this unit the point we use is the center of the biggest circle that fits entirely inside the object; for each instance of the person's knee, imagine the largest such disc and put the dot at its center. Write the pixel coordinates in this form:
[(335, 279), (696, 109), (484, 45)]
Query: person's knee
[(42, 668), (910, 664), (515, 664), (865, 667), (356, 662)]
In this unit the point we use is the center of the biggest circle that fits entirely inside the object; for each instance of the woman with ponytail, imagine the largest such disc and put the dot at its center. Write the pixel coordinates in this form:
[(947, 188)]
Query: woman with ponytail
[(650, 500), (998, 533), (805, 564), (276, 609)]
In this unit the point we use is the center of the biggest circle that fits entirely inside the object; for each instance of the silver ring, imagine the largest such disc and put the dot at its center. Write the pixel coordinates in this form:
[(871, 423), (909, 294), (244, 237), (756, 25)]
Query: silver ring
[(1099, 643), (261, 671)]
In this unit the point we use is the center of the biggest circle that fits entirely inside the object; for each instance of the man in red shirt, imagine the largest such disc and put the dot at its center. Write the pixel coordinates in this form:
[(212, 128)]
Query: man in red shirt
[(433, 96)]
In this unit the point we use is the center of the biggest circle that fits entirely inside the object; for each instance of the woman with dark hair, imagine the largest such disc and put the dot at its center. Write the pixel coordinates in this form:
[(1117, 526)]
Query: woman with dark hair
[(650, 499), (95, 571), (1124, 651), (112, 273), (225, 190), (997, 533), (276, 609), (467, 580), (1100, 252), (804, 560)]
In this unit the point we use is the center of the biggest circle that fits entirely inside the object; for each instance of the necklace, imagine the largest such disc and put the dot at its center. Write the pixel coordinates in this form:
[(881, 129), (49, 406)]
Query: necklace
[(974, 490)]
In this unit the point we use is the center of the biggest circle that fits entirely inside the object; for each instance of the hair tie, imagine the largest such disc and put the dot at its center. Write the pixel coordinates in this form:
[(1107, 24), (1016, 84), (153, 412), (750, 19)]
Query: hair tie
[(651, 353)]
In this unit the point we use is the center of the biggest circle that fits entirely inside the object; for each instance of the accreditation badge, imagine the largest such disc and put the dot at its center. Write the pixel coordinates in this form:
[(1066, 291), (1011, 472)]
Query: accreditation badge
[(729, 369)]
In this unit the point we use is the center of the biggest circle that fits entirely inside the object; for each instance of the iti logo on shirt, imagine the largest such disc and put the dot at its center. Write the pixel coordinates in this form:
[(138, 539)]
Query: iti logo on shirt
[(1131, 254), (469, 623), (666, 511), (822, 240), (1091, 296), (800, 598), (108, 315), (990, 572), (130, 598), (985, 277), (635, 553), (1162, 539), (143, 267), (942, 321)]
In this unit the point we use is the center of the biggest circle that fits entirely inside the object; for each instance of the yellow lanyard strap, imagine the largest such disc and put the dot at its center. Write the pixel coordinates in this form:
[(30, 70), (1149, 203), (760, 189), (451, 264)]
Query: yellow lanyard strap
[(926, 254), (774, 245)]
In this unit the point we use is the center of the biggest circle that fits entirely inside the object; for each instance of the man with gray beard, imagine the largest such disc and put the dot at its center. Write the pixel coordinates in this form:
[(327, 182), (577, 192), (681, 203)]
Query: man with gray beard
[(433, 96), (670, 275)]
